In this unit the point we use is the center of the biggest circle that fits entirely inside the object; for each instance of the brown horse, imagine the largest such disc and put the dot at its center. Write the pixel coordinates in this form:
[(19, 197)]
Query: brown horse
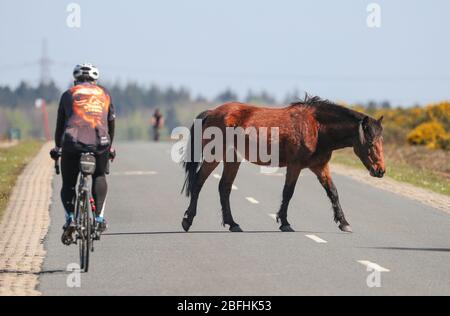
[(309, 132)]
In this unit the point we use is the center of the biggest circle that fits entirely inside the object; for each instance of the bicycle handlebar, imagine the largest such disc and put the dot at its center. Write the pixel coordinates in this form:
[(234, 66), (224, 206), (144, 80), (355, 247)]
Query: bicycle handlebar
[(58, 168)]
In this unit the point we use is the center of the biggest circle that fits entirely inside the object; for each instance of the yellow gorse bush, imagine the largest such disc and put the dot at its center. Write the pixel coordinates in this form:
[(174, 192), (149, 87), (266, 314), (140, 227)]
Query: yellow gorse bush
[(431, 134), (426, 126), (404, 118), (440, 112)]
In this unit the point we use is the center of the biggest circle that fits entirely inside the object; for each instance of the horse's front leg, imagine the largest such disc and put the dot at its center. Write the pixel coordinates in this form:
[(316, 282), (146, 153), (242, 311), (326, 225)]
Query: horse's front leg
[(324, 175), (293, 172)]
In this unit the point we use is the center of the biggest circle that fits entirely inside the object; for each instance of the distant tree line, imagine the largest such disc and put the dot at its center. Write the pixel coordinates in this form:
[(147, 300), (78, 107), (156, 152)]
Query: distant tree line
[(127, 98), (134, 103), (132, 96), (24, 95)]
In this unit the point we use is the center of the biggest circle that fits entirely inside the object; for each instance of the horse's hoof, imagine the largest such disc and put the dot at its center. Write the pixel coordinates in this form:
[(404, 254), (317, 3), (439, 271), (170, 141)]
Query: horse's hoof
[(346, 228), (186, 225), (236, 229), (287, 229)]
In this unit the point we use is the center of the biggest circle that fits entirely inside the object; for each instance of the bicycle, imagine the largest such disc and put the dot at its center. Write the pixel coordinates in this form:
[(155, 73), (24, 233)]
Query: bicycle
[(86, 227)]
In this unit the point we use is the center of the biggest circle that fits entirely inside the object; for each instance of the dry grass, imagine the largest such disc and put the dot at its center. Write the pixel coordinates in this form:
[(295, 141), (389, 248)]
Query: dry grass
[(12, 162), (437, 161), (429, 169)]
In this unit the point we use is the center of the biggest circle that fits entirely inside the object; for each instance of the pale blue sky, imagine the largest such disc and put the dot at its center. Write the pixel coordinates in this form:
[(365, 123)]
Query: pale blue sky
[(320, 46)]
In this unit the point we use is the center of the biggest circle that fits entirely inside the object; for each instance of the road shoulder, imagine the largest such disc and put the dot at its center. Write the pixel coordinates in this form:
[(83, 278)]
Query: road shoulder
[(24, 227), (423, 196)]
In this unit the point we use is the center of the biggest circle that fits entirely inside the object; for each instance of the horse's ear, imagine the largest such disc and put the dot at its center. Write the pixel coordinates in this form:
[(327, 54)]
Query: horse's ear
[(362, 134), (380, 120)]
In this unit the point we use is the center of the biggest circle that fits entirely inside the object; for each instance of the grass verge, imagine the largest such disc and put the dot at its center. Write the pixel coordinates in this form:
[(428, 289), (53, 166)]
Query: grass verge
[(401, 171), (12, 162)]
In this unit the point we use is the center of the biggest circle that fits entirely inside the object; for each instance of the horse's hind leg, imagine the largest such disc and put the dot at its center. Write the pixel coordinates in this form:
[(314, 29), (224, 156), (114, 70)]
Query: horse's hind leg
[(226, 184), (324, 175), (293, 172), (205, 171)]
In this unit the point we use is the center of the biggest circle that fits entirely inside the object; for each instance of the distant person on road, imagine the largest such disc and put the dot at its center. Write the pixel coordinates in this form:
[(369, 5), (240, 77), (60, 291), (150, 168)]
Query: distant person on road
[(85, 124), (157, 123)]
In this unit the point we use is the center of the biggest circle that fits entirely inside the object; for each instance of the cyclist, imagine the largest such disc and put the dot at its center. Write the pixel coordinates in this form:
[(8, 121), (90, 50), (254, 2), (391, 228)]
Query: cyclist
[(157, 122), (85, 124)]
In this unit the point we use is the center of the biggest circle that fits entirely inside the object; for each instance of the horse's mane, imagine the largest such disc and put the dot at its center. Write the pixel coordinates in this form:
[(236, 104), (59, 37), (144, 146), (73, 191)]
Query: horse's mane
[(311, 100), (325, 109)]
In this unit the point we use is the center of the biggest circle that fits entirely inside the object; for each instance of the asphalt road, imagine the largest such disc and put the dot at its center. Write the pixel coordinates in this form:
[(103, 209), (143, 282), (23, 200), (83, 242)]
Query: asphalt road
[(145, 251)]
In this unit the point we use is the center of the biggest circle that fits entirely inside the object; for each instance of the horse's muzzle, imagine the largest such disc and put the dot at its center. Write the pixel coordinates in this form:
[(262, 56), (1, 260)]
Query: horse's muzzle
[(377, 173)]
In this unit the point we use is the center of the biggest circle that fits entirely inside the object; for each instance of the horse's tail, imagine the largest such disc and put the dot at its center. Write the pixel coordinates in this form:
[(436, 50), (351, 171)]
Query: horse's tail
[(192, 161)]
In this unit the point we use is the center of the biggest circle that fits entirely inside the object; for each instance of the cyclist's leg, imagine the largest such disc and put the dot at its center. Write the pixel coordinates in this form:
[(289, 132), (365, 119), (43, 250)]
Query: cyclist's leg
[(70, 165), (99, 184), (156, 134)]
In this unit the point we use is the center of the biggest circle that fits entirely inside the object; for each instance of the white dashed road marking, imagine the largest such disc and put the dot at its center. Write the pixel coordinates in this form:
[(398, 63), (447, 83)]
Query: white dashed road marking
[(252, 200), (273, 216), (218, 177), (316, 239), (373, 266), (278, 174), (134, 173)]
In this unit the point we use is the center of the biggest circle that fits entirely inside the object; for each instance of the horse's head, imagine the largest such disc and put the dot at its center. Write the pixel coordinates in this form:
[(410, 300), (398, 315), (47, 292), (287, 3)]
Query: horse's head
[(369, 146)]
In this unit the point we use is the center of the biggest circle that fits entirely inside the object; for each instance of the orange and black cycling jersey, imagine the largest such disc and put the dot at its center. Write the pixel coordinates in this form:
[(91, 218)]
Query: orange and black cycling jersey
[(85, 119)]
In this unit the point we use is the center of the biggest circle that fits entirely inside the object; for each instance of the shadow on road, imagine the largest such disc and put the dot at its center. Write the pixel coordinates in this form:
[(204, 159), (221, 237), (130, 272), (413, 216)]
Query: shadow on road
[(410, 249), (206, 232), (35, 273)]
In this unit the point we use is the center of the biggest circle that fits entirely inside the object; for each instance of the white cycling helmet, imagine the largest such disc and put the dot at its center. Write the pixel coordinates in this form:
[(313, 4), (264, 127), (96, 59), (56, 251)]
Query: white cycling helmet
[(83, 72)]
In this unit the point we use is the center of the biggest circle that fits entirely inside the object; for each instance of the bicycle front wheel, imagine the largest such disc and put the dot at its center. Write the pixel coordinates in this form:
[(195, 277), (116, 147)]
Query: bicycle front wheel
[(79, 215), (86, 234)]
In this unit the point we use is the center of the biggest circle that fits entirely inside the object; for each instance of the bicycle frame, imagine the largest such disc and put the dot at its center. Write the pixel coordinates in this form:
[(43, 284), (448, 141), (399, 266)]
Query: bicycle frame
[(84, 215), (85, 218), (85, 201)]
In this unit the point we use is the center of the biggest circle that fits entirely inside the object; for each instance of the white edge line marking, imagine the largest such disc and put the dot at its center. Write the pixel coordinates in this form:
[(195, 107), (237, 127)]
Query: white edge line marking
[(373, 266), (317, 239), (252, 200)]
